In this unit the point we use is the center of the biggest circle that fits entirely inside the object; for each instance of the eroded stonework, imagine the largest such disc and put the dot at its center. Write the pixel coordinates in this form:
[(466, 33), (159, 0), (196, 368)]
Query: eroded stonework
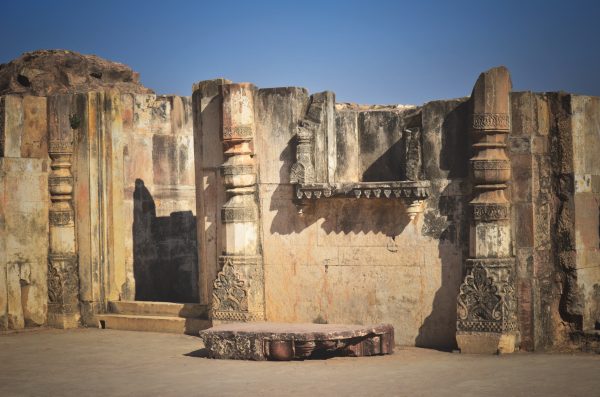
[(282, 342)]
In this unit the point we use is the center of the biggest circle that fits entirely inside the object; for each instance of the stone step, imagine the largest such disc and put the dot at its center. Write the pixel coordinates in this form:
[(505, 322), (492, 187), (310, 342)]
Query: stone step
[(170, 324), (143, 308)]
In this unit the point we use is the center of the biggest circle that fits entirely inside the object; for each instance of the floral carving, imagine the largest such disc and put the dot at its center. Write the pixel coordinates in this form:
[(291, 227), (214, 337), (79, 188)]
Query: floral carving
[(478, 298), (230, 292), (486, 303)]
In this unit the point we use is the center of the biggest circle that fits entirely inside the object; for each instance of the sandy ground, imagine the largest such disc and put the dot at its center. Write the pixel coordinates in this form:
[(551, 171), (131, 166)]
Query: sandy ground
[(92, 362)]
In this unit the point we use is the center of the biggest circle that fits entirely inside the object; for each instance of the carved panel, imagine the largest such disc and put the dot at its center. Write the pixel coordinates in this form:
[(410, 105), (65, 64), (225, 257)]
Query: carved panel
[(238, 132), (238, 214), (61, 218), (491, 121), (235, 170), (60, 147), (486, 301), (60, 180), (490, 212), (230, 292), (63, 283), (490, 164)]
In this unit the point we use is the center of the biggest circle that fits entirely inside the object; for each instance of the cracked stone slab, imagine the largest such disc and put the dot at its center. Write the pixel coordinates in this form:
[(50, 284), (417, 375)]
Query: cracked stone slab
[(288, 341)]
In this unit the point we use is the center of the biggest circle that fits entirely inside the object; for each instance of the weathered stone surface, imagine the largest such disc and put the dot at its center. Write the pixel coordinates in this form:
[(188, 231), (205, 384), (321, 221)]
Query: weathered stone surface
[(282, 342), (23, 242), (356, 257), (48, 72)]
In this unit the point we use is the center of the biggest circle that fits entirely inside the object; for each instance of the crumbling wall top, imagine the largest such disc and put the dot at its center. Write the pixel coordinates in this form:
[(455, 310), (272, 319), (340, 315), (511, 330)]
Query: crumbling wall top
[(48, 72)]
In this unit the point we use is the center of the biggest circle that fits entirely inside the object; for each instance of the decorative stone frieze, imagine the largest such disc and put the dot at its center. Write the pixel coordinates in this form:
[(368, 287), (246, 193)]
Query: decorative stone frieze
[(486, 304)]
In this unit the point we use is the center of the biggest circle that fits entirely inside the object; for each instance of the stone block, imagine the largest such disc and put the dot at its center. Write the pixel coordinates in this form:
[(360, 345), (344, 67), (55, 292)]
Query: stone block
[(34, 142), (127, 112), (490, 240), (445, 139), (185, 161), (587, 221), (521, 187), (278, 112), (347, 160), (381, 146), (486, 343), (13, 125), (164, 159), (524, 227), (181, 115), (137, 158), (585, 125)]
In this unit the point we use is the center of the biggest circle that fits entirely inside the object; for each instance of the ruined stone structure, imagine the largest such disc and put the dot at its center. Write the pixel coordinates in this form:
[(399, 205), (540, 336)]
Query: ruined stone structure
[(469, 223)]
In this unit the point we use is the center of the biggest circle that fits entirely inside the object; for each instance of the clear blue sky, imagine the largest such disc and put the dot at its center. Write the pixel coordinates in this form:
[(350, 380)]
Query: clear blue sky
[(365, 51)]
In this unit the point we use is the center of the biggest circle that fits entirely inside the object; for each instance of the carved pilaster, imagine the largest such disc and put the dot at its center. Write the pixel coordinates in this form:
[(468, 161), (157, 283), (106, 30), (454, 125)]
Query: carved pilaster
[(238, 289), (486, 305), (63, 280)]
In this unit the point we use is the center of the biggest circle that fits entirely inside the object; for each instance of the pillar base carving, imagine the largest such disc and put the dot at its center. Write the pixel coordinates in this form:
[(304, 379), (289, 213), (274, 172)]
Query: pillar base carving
[(63, 291), (238, 290), (486, 316)]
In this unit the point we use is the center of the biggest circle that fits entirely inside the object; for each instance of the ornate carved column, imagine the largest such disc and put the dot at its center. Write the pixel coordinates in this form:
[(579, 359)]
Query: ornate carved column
[(63, 280), (486, 312), (238, 291)]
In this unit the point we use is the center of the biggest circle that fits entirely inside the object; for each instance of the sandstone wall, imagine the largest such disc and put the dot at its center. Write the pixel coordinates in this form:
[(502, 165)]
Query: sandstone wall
[(345, 260), (23, 212), (159, 197), (553, 151), (586, 169)]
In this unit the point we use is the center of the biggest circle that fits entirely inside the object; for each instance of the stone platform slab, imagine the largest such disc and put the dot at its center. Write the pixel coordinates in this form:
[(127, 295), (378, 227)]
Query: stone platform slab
[(286, 341)]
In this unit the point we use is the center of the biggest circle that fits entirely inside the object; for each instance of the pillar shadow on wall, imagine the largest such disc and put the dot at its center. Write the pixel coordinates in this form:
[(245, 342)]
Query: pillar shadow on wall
[(165, 259), (446, 220)]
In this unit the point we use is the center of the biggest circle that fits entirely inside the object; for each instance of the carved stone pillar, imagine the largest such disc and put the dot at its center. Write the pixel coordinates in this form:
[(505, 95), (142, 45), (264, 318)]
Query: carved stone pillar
[(486, 312), (238, 291), (63, 280)]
